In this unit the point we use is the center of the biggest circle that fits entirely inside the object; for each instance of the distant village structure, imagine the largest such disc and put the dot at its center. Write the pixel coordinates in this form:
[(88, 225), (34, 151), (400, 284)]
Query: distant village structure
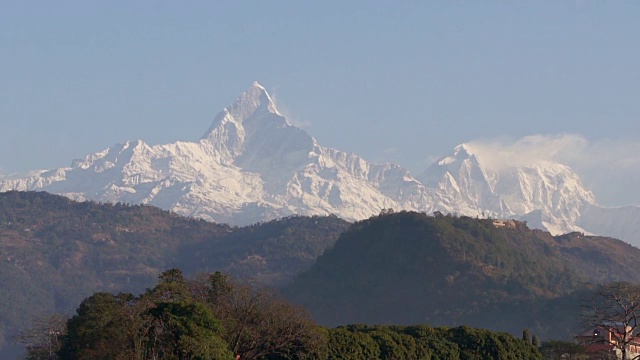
[(509, 224), (605, 343)]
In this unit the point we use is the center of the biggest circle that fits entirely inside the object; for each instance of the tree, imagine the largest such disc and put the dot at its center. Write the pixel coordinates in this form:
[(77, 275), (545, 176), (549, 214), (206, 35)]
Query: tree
[(108, 326), (259, 323), (44, 337), (526, 336), (611, 317), (184, 331), (171, 287), (163, 323), (97, 331), (535, 341), (191, 320), (174, 325), (562, 350)]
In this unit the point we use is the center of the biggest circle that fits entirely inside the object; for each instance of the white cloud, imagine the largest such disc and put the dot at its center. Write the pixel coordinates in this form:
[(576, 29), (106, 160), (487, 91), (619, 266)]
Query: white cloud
[(291, 118), (608, 167), (496, 153)]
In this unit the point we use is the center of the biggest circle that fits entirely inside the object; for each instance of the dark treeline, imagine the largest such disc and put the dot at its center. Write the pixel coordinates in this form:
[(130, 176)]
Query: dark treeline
[(423, 342), (214, 317)]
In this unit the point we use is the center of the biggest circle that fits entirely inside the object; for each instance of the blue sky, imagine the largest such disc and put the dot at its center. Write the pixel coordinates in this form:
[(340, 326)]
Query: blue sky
[(388, 80)]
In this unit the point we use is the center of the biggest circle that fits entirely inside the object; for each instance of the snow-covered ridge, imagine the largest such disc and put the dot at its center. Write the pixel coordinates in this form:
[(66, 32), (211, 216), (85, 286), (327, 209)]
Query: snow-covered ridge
[(252, 165)]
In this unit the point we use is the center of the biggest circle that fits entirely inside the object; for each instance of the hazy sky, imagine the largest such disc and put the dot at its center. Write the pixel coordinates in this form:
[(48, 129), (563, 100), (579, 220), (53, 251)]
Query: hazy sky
[(388, 80)]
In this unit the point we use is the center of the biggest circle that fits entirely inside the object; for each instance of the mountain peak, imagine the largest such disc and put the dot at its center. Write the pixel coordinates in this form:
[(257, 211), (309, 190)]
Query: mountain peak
[(258, 86), (254, 99), (462, 148), (460, 153)]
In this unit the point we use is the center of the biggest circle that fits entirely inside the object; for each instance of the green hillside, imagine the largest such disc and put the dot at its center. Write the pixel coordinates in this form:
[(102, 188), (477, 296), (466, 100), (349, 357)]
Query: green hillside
[(54, 251), (409, 268), (404, 268)]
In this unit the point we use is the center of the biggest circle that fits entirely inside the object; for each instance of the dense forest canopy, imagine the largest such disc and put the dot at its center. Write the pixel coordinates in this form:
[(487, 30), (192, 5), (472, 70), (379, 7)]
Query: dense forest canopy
[(214, 317)]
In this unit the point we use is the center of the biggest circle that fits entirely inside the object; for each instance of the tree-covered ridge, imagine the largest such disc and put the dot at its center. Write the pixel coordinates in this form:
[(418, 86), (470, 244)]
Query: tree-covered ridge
[(269, 253), (214, 317), (402, 268), (408, 268), (54, 251), (425, 342), (208, 318)]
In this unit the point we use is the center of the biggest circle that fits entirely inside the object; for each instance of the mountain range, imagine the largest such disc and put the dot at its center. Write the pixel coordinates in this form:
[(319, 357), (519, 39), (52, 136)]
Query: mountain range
[(252, 165)]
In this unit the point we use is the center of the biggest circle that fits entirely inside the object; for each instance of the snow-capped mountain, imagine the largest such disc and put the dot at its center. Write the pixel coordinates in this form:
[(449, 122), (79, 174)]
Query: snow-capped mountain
[(549, 195), (252, 165)]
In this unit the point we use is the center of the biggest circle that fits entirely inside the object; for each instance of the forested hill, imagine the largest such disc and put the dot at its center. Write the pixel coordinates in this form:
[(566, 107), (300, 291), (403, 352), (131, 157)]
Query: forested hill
[(54, 252), (408, 268), (402, 268)]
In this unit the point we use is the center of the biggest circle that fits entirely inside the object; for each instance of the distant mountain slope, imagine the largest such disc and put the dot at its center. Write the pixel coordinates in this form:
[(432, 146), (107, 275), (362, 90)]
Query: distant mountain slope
[(618, 222), (252, 165), (508, 190), (54, 252), (408, 268)]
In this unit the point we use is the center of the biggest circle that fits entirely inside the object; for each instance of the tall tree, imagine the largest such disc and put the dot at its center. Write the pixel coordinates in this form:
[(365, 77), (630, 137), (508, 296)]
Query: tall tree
[(535, 341), (163, 323), (97, 330), (259, 323), (613, 317), (44, 337), (171, 287), (526, 336), (184, 331)]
